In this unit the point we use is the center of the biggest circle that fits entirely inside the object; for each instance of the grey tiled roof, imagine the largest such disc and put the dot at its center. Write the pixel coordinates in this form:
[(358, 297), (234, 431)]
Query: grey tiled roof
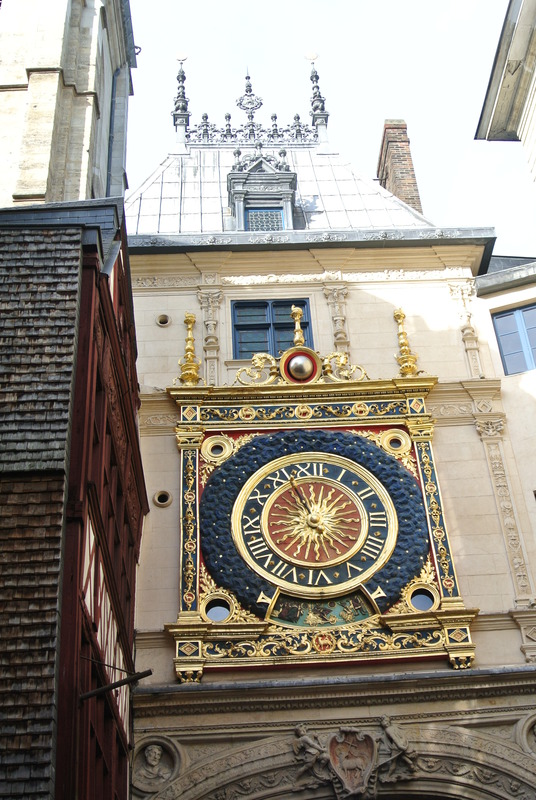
[(187, 194), (39, 277)]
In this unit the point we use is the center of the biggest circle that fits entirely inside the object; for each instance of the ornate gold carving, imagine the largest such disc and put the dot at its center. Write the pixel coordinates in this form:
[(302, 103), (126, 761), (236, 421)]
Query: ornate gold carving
[(266, 370), (217, 449), (230, 447), (434, 510), (263, 371), (189, 364), (189, 437), (406, 360), (337, 367), (426, 579), (190, 539), (365, 638), (208, 590), (403, 454)]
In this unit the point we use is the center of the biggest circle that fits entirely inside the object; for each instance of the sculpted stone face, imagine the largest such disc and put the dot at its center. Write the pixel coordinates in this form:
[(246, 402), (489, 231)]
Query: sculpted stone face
[(153, 754)]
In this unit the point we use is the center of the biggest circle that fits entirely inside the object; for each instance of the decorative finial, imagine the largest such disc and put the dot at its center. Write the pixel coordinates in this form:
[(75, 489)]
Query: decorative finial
[(318, 104), (407, 360), (181, 115), (296, 314), (249, 102), (189, 364)]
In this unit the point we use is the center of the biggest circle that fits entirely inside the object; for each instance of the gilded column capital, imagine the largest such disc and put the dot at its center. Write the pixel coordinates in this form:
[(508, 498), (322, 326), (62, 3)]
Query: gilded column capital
[(421, 430), (189, 438)]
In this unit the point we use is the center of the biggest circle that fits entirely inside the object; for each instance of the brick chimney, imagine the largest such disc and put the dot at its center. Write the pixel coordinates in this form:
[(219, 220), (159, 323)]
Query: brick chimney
[(395, 165)]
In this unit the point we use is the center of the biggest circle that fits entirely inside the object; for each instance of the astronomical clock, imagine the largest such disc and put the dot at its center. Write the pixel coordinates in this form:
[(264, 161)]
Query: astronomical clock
[(312, 526)]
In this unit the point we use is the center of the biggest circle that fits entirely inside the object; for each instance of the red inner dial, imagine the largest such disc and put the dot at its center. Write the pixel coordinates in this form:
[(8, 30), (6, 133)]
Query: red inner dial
[(313, 523)]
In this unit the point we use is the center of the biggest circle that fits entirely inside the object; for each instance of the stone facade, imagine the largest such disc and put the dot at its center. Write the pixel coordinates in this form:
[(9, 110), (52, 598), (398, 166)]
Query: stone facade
[(404, 295), (64, 88)]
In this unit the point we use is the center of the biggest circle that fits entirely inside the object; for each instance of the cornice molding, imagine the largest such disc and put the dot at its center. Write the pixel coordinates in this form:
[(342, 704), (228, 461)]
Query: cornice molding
[(300, 695)]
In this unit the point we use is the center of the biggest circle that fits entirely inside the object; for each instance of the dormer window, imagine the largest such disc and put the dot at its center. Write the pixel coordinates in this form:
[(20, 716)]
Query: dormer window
[(264, 219), (261, 191)]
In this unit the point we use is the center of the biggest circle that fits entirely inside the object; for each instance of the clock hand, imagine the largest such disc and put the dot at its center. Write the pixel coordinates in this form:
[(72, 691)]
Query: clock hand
[(298, 494)]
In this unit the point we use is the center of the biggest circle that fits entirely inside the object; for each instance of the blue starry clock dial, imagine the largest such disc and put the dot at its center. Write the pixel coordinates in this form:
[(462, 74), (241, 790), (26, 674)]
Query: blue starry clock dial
[(312, 515)]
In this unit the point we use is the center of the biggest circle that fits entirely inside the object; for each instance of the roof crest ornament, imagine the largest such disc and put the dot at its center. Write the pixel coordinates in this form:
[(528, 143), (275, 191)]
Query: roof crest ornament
[(250, 132), (181, 115), (249, 102), (318, 105)]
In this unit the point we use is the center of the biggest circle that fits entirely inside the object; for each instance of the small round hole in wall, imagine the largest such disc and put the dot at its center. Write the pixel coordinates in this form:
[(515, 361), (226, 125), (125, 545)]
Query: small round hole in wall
[(162, 498), (163, 320), (395, 443), (218, 609), (422, 599)]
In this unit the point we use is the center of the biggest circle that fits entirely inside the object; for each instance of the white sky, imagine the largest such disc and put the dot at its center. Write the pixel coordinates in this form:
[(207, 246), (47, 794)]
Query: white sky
[(425, 61)]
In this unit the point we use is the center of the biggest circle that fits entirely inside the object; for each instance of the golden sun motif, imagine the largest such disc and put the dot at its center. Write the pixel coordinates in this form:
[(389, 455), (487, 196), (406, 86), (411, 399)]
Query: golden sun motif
[(313, 522)]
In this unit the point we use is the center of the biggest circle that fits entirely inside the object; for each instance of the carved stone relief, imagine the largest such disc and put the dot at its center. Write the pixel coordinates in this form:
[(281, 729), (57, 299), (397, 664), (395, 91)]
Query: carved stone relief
[(490, 430), (353, 760), (365, 763), (336, 297), (210, 301), (526, 620), (156, 763), (462, 293)]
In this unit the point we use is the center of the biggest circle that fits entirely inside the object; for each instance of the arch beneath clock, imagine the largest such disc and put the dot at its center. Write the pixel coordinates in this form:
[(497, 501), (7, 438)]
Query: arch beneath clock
[(449, 764)]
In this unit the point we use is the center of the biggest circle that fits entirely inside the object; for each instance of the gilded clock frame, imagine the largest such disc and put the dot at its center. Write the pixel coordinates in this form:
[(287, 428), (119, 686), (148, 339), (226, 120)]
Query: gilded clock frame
[(376, 410)]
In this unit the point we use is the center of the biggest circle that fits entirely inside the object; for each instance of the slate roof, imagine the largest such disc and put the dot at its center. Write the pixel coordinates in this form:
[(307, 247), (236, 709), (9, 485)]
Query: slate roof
[(40, 268), (187, 194)]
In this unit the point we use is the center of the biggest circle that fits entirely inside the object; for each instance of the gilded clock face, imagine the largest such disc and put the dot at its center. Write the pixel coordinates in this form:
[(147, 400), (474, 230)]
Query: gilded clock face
[(314, 524), (312, 514)]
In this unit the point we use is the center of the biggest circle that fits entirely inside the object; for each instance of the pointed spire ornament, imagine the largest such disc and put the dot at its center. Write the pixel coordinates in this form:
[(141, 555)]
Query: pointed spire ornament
[(318, 106), (181, 115)]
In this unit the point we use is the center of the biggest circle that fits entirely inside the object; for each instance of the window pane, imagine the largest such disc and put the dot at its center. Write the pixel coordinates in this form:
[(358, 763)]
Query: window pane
[(505, 323), (516, 334), (251, 313), (511, 343), (281, 311), (515, 363), (251, 341), (283, 339), (266, 326), (529, 318)]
